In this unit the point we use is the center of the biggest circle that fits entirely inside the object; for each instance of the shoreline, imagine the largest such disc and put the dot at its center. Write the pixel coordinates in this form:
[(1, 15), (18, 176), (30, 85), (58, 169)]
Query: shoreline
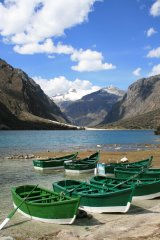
[(114, 156), (110, 149), (141, 222)]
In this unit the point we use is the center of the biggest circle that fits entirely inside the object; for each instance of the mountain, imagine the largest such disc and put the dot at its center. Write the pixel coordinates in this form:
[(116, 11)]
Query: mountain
[(92, 108), (23, 104), (140, 106), (70, 95)]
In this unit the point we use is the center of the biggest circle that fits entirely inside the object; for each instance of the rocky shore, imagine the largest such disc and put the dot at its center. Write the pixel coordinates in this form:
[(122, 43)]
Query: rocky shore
[(140, 223)]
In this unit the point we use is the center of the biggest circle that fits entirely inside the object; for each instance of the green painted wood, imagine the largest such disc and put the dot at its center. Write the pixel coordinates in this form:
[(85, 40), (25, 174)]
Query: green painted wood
[(44, 204), (137, 173), (54, 162), (95, 196), (83, 164), (143, 187), (109, 167), (10, 215)]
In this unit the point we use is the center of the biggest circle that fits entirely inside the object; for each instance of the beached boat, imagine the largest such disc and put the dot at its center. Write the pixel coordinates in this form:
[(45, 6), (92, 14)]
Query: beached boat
[(44, 205), (84, 165), (144, 188), (143, 173), (53, 163), (96, 199), (108, 168)]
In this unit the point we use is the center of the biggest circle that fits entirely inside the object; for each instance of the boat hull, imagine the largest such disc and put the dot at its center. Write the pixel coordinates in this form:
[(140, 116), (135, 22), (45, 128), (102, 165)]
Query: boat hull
[(108, 168), (144, 188), (79, 171), (47, 220), (137, 174), (85, 165), (51, 209), (97, 199), (45, 169), (106, 209), (53, 163)]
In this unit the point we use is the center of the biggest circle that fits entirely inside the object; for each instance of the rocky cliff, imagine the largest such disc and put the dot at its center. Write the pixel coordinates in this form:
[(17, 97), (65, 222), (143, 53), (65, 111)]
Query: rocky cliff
[(23, 104), (140, 105)]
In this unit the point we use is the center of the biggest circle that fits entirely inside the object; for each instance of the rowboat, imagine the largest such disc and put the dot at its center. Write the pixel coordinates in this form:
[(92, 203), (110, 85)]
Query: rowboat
[(144, 188), (142, 173), (44, 205), (84, 165), (96, 199), (108, 168), (53, 163)]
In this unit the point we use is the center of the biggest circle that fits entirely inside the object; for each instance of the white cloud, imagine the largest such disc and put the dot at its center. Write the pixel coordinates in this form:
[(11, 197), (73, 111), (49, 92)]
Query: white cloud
[(51, 56), (46, 47), (155, 70), (155, 9), (136, 72), (151, 31), (154, 53), (30, 25), (32, 21), (61, 86), (89, 61)]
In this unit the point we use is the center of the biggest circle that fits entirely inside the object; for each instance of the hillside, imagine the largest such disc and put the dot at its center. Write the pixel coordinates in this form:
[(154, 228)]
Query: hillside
[(91, 109), (23, 104), (140, 106)]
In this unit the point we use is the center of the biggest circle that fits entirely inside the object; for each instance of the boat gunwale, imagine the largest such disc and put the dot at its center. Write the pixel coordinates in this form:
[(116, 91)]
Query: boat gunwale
[(60, 202), (62, 158), (102, 194), (131, 164), (138, 182)]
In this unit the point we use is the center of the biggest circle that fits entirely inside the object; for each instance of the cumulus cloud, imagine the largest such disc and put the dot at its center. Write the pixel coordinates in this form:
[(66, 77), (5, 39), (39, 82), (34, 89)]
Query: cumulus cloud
[(58, 86), (155, 9), (154, 53), (31, 26), (32, 21), (89, 61), (151, 31), (155, 70), (46, 47), (136, 72)]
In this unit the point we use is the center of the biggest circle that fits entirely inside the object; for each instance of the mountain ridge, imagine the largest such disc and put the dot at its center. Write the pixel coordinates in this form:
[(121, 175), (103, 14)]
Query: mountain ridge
[(142, 99), (91, 108), (23, 103)]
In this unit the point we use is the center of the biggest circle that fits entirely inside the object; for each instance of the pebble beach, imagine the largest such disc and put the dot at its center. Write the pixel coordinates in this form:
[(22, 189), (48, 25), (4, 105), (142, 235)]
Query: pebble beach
[(142, 221)]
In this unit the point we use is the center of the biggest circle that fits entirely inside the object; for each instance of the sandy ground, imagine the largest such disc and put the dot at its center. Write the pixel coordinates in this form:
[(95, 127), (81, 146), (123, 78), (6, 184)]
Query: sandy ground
[(141, 222), (114, 156)]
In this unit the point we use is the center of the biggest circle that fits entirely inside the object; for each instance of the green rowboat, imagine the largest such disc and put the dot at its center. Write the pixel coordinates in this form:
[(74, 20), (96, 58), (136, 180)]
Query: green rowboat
[(96, 199), (44, 205), (83, 165), (144, 188), (53, 163), (143, 173), (108, 168)]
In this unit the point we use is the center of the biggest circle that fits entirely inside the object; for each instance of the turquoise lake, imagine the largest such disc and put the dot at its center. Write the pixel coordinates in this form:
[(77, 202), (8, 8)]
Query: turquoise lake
[(12, 142), (14, 172)]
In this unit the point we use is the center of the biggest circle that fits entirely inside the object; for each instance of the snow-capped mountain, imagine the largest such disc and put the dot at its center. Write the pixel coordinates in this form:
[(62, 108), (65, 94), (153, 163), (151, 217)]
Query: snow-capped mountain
[(90, 109), (76, 94), (113, 90)]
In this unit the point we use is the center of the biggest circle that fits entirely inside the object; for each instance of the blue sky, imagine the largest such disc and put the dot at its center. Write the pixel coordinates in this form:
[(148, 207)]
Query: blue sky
[(81, 44)]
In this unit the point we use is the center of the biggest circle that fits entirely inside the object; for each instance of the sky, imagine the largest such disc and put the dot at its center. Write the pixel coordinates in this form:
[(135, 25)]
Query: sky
[(81, 44)]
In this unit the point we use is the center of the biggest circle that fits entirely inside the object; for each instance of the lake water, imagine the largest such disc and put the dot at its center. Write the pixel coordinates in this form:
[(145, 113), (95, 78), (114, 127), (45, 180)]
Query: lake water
[(14, 172), (13, 142)]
